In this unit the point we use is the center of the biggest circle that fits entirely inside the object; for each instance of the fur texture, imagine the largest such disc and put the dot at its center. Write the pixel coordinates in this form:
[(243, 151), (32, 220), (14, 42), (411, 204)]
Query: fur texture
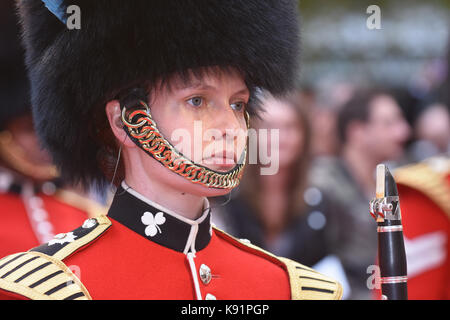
[(14, 88), (74, 72)]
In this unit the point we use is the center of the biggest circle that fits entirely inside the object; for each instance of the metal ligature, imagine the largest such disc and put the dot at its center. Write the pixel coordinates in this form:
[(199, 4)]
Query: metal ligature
[(385, 209)]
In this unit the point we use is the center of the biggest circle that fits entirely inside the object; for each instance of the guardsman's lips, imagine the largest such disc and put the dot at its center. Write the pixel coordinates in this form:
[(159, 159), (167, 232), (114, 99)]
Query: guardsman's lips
[(222, 159)]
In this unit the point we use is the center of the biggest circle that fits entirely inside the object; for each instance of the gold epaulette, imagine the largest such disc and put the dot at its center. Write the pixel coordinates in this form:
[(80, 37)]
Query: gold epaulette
[(37, 276), (40, 274), (426, 179), (308, 284), (91, 207), (305, 283)]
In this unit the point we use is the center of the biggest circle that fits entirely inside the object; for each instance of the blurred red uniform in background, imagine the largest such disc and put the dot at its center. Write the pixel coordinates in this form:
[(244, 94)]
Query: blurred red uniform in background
[(424, 191)]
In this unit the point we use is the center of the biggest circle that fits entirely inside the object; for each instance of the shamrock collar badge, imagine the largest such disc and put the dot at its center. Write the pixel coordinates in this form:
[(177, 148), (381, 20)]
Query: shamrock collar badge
[(153, 223)]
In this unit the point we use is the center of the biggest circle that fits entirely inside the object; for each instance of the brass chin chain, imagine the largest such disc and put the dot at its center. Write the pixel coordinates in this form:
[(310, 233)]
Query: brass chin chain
[(143, 131)]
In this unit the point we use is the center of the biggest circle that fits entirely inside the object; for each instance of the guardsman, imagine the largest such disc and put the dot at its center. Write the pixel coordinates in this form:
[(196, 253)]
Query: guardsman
[(424, 191), (111, 101), (33, 207)]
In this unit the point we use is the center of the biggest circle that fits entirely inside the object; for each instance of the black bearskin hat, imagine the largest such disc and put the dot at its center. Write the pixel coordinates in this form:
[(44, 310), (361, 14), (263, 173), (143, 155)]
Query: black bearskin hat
[(14, 87), (75, 72)]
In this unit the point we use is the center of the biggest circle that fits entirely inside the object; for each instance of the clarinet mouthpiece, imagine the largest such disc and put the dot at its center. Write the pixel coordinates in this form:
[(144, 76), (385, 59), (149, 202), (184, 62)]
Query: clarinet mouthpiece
[(390, 187), (386, 204)]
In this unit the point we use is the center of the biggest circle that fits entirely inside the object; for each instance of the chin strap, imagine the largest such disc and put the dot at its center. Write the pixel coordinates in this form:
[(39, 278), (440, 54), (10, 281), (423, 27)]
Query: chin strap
[(142, 130)]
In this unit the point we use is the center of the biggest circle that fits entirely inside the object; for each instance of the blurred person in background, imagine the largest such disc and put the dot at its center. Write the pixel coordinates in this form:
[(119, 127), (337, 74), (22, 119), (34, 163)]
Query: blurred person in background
[(325, 142), (372, 130), (431, 133), (33, 207), (279, 212), (324, 112)]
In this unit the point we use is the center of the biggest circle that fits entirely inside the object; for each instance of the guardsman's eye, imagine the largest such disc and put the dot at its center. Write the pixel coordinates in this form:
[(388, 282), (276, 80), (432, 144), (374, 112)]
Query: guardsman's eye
[(238, 106), (195, 101)]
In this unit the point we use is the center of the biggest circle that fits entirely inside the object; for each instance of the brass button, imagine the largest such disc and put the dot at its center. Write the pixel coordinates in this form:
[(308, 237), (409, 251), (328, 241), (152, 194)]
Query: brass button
[(89, 223), (205, 274)]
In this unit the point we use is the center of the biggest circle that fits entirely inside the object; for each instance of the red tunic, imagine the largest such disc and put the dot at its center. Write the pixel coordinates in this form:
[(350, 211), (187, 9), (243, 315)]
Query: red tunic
[(16, 229), (157, 272), (144, 251), (31, 215), (425, 206)]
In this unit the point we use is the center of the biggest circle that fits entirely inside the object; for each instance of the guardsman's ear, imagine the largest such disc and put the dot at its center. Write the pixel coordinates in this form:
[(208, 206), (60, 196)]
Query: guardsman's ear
[(114, 114)]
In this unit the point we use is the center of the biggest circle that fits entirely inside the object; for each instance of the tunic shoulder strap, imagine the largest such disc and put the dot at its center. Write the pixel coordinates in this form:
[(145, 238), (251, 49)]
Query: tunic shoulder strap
[(305, 283), (41, 274)]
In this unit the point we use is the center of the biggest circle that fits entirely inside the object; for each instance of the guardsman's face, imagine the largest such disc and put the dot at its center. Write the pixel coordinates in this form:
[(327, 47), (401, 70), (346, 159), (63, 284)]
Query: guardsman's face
[(203, 117)]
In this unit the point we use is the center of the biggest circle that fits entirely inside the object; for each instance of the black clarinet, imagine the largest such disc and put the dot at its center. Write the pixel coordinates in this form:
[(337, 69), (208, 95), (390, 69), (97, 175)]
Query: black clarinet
[(385, 208)]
